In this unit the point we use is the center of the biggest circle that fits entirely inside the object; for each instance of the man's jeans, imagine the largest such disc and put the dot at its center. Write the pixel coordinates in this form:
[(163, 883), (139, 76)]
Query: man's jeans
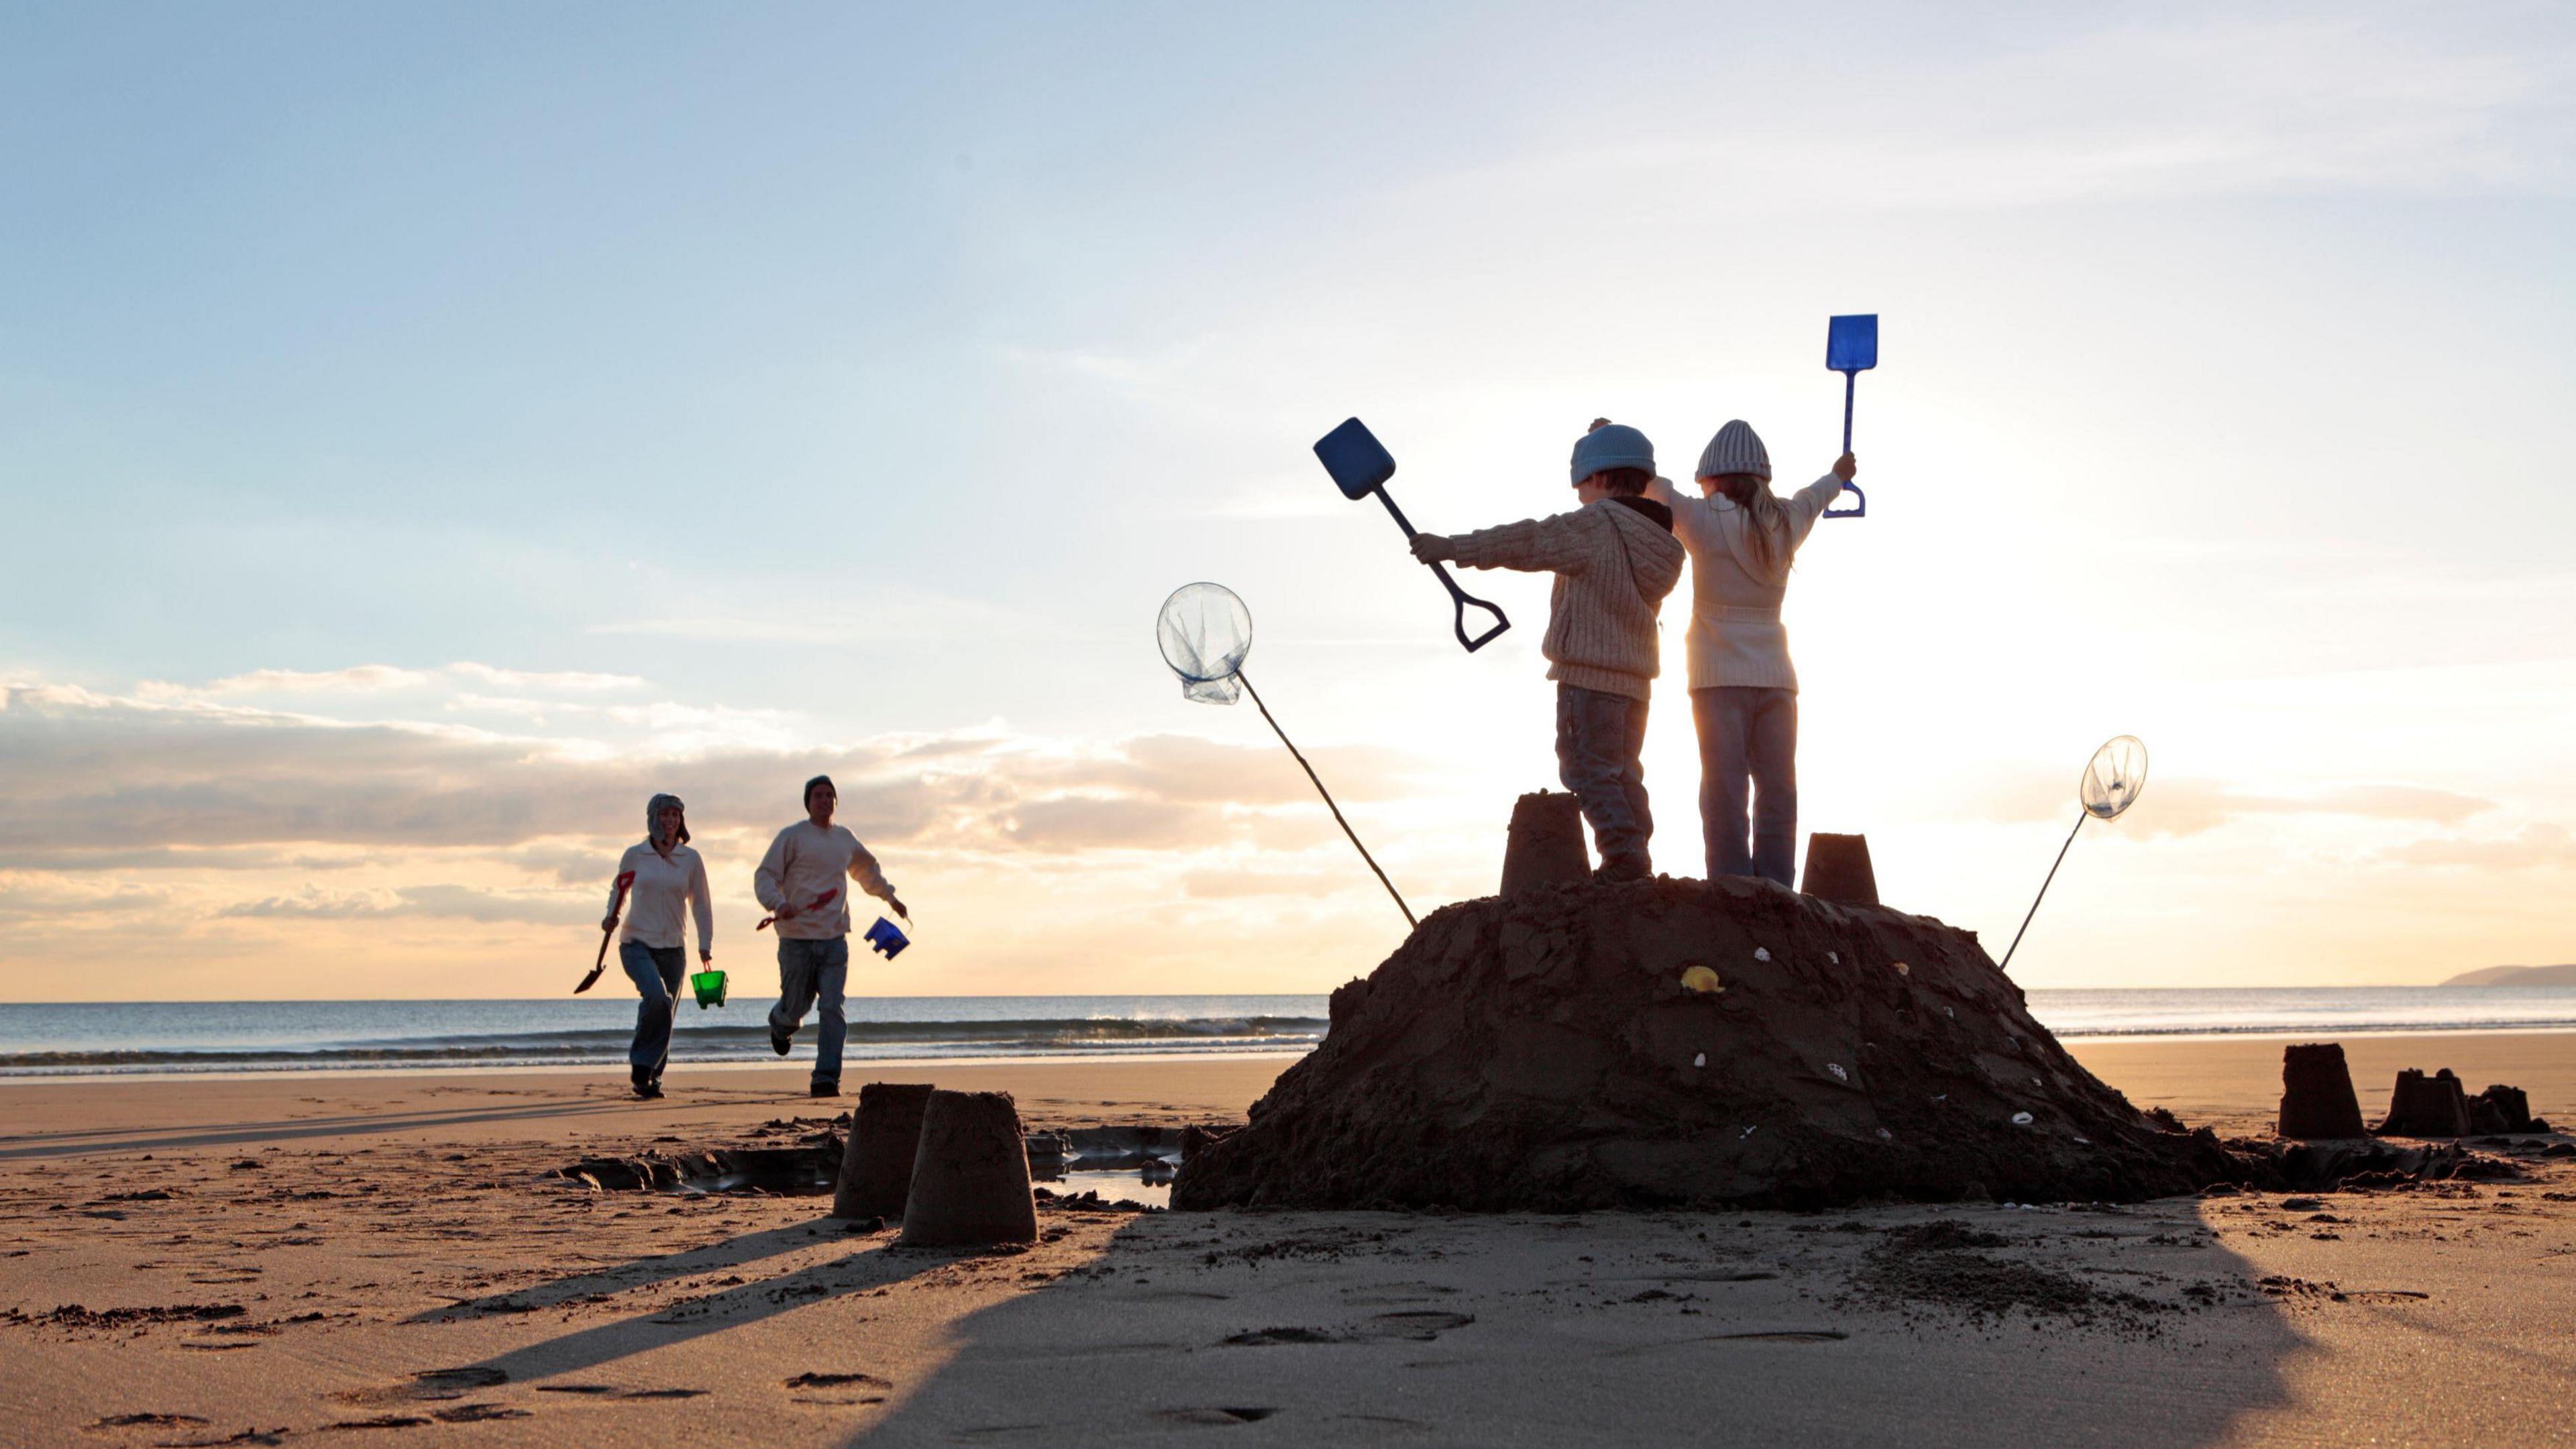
[(655, 970), (1749, 737), (1598, 737), (811, 975)]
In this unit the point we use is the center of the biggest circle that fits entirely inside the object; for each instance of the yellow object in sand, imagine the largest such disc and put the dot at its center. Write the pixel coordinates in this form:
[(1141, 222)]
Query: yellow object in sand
[(1700, 978)]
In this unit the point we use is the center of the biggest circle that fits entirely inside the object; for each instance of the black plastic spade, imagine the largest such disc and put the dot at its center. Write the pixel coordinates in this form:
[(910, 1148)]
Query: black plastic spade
[(1360, 465), (1851, 348)]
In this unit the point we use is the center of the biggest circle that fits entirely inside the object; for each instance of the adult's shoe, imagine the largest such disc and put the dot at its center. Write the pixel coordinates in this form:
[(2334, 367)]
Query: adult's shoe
[(1622, 868), (824, 1089), (648, 1091), (781, 1045)]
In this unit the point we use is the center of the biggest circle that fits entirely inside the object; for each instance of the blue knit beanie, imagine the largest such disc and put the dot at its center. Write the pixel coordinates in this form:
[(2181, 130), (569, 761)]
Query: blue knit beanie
[(1611, 445)]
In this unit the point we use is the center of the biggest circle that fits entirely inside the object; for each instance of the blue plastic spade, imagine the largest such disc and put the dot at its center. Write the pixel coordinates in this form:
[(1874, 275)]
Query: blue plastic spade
[(1851, 348), (1360, 465)]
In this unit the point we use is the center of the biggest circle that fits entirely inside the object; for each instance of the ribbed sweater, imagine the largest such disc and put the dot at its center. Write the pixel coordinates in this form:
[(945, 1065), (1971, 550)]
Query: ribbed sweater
[(801, 865), (1613, 564), (1736, 637), (661, 892)]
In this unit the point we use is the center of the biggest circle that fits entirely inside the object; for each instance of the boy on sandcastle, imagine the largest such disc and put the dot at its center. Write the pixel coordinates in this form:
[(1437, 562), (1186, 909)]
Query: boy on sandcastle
[(803, 883), (1615, 558)]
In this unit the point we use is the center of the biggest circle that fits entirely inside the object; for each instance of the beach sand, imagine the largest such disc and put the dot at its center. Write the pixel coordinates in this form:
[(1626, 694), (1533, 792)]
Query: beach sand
[(381, 1259)]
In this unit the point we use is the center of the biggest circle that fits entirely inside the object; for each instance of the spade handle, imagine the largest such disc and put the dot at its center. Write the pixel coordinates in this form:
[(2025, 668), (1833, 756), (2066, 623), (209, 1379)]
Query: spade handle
[(1861, 508), (1464, 599)]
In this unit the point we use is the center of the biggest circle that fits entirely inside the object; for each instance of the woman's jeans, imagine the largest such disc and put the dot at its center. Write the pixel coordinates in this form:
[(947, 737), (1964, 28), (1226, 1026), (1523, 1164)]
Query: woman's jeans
[(655, 970), (1748, 737), (1598, 737)]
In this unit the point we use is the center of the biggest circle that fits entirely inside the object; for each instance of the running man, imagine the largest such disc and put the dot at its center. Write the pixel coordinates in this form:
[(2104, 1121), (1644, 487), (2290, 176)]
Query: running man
[(804, 884)]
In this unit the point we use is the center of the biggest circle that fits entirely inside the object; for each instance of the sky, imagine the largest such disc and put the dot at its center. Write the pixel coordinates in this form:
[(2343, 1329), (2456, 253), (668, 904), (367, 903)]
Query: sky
[(427, 431)]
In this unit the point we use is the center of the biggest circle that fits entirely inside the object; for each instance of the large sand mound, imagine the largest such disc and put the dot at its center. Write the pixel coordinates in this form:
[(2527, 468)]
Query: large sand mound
[(1542, 1051)]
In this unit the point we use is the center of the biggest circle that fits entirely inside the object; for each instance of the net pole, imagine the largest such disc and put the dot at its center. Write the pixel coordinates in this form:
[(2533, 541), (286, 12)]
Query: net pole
[(1328, 798), (2080, 817)]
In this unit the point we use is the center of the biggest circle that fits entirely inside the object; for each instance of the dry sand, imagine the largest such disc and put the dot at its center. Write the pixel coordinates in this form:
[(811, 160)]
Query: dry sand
[(379, 1259)]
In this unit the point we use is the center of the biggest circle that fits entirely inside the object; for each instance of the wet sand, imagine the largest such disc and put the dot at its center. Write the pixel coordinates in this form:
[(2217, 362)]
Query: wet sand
[(380, 1259)]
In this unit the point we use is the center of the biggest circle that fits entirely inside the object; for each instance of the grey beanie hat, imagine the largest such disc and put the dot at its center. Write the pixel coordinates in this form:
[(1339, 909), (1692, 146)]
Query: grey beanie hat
[(1735, 449), (653, 812), (1611, 445)]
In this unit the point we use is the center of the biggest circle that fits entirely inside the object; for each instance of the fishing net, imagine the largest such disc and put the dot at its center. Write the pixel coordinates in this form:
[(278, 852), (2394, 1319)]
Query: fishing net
[(1205, 632), (2115, 778)]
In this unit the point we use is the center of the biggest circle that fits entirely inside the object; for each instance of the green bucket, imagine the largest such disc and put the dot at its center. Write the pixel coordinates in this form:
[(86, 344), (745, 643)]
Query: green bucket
[(710, 987)]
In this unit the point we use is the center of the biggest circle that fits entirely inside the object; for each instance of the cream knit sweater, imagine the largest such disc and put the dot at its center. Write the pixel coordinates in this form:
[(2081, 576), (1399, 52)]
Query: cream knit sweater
[(1613, 567), (801, 865), (661, 891), (1736, 637)]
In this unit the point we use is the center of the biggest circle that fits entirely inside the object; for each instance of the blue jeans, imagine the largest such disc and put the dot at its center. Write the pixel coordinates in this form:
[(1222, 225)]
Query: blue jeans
[(655, 970), (812, 976), (1598, 738), (1748, 748)]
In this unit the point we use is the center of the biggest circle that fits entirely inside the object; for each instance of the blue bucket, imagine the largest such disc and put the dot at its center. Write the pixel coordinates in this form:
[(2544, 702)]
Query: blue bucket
[(885, 940)]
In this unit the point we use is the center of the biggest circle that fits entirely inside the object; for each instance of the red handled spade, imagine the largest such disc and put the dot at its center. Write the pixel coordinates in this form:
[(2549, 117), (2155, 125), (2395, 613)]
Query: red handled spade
[(616, 906), (816, 904)]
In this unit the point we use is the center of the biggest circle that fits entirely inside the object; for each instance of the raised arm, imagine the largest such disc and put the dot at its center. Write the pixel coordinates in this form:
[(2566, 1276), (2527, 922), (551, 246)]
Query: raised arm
[(1809, 503), (1533, 545)]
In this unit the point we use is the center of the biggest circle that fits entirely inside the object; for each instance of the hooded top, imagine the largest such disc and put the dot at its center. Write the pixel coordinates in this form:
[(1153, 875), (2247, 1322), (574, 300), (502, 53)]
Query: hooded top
[(664, 890), (1736, 637), (653, 813), (1614, 561)]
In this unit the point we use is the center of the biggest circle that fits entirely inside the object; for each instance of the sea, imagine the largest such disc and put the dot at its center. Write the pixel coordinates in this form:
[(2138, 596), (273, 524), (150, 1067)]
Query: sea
[(189, 1037)]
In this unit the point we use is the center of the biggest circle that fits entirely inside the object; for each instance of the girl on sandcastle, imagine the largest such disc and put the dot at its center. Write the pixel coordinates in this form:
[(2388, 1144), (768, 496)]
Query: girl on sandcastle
[(1744, 693), (658, 877)]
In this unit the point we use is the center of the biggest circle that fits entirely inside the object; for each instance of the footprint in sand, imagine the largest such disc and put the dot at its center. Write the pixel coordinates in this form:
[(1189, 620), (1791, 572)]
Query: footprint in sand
[(1419, 1327), (144, 1421), (815, 1388), (428, 1385), (1214, 1416)]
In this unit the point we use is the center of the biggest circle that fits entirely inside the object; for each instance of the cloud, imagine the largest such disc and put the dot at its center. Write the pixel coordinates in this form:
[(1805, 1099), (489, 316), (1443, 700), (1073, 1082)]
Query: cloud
[(87, 780), (455, 902), (172, 858), (356, 679), (2536, 846), (2193, 806), (1237, 884), (375, 679), (1083, 822), (570, 681), (28, 895)]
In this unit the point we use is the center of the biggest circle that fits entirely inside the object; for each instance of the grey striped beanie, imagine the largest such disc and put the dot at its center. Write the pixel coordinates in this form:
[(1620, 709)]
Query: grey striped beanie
[(1735, 449)]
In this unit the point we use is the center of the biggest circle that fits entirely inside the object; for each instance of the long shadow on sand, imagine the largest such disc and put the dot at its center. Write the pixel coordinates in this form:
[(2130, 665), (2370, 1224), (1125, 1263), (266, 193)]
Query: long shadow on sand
[(876, 1265), (641, 1272), (1370, 1328)]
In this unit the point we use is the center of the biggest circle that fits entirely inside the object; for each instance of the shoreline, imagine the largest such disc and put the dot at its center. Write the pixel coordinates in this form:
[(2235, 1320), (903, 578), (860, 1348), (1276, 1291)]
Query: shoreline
[(858, 1068), (2231, 1084)]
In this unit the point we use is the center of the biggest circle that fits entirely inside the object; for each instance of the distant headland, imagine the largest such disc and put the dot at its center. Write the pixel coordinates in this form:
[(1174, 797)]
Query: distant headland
[(2517, 976)]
